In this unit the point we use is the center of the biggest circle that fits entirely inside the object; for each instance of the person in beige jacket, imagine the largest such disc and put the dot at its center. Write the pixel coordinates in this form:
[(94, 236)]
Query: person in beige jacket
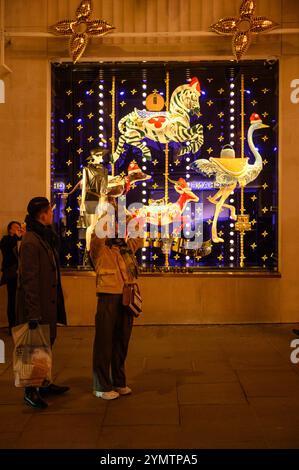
[(115, 264)]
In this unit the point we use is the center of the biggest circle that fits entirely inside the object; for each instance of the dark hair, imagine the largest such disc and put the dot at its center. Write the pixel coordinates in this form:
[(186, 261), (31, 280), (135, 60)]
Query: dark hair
[(11, 224), (37, 206)]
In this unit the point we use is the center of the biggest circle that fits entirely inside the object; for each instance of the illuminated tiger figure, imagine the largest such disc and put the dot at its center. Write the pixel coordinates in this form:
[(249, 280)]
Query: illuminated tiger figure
[(164, 127)]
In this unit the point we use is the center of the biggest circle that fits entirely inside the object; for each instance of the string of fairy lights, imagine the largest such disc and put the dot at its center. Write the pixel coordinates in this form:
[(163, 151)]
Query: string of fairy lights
[(232, 143)]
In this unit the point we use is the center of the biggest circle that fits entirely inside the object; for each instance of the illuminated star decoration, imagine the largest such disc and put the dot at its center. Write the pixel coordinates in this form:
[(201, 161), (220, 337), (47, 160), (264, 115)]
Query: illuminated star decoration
[(81, 29), (243, 26)]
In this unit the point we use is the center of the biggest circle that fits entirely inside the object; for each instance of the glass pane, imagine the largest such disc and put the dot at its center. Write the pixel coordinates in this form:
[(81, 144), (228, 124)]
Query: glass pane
[(84, 117)]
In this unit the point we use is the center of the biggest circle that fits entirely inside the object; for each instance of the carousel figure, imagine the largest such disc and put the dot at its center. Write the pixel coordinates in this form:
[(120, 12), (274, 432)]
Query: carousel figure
[(230, 172), (164, 126)]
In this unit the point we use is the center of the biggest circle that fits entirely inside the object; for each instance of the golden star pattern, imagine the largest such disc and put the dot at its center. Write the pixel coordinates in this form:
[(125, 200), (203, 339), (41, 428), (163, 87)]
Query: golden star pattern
[(243, 26), (265, 137), (68, 256), (122, 103), (221, 114), (210, 102), (210, 79), (209, 150), (69, 92), (253, 198), (265, 161), (68, 186), (265, 114), (265, 90), (79, 127), (155, 162), (90, 92), (79, 151), (265, 233), (79, 245), (253, 246), (176, 257), (81, 29), (264, 258), (154, 257), (79, 104), (265, 209), (265, 186), (220, 257), (253, 102), (155, 186), (68, 233), (210, 126), (253, 222), (177, 162), (133, 91), (220, 138), (220, 91), (68, 139), (90, 139), (68, 209), (90, 115), (69, 115), (209, 222), (69, 162)]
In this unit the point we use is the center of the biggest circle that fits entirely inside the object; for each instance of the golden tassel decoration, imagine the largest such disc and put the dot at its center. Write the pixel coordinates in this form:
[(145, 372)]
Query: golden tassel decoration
[(243, 224), (167, 162)]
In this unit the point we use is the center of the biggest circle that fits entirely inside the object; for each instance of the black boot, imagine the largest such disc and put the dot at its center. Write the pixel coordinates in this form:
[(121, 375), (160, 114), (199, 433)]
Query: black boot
[(53, 389), (33, 398)]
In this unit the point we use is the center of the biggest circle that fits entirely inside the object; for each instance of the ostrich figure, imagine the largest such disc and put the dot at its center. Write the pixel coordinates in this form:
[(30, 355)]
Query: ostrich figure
[(230, 172)]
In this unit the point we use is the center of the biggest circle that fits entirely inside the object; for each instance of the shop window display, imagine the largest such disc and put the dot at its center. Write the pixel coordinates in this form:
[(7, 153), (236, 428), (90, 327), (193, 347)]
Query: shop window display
[(193, 140)]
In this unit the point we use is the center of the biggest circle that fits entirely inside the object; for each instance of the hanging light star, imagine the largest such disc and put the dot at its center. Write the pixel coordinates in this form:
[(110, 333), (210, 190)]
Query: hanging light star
[(243, 26), (81, 29)]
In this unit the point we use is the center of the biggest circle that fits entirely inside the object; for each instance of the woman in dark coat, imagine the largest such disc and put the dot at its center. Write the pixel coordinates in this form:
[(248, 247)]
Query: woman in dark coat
[(9, 249), (39, 294)]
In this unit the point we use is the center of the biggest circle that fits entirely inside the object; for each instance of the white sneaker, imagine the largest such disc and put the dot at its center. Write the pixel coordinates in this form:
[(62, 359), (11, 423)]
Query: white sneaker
[(123, 390), (106, 395)]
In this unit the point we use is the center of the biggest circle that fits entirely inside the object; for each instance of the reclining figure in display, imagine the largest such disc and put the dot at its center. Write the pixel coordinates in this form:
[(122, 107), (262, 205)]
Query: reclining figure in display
[(158, 213)]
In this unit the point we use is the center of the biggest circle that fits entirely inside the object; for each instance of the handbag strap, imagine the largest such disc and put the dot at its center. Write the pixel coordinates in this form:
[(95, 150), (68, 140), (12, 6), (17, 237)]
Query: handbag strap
[(135, 285)]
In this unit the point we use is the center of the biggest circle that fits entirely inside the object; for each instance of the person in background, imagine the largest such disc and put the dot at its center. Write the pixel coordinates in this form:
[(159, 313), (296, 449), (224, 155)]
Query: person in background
[(39, 294), (115, 263), (9, 249)]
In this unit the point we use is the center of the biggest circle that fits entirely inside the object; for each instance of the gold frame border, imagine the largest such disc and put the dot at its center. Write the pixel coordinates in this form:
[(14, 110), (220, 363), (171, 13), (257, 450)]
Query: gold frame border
[(231, 274)]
